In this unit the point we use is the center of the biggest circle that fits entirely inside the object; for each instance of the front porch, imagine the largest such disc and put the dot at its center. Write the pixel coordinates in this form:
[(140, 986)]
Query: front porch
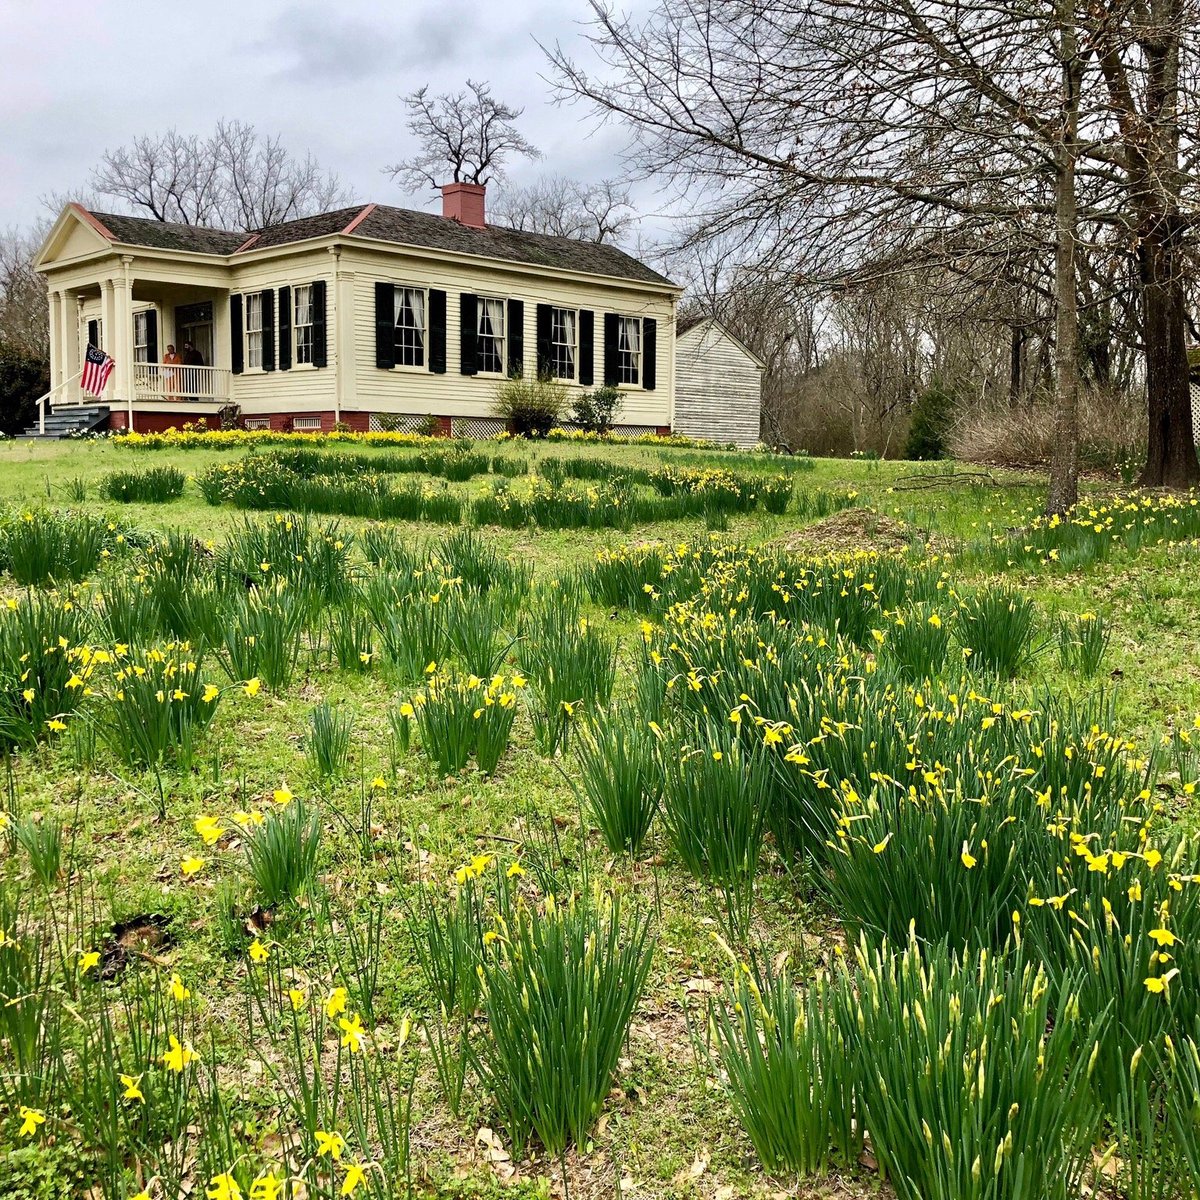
[(169, 343)]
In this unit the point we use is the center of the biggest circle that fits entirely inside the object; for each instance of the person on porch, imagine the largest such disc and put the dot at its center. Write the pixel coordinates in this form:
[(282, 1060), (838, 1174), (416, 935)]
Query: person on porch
[(172, 362), (192, 358)]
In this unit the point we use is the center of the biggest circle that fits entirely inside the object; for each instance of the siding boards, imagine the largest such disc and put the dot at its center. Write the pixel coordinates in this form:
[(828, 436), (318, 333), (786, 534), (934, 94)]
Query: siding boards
[(718, 388), (417, 390)]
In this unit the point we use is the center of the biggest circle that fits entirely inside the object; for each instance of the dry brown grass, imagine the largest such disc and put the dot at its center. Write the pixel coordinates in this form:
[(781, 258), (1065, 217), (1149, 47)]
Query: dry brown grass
[(1110, 428)]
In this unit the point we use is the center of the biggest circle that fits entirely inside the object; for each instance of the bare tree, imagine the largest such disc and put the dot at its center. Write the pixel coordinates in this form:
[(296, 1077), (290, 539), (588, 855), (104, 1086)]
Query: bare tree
[(597, 212), (24, 315), (469, 134), (843, 131), (236, 178)]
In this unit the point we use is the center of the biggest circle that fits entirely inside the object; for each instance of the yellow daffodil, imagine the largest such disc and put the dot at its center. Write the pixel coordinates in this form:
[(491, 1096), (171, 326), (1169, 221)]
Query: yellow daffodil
[(31, 1118), (258, 952), (191, 866), (968, 859), (515, 869), (211, 692), (335, 1002), (1164, 937), (330, 1145), (88, 961), (266, 1187), (223, 1187), (298, 998), (179, 993), (209, 829), (353, 1033), (283, 795), (178, 1056), (251, 686), (132, 1086), (355, 1174)]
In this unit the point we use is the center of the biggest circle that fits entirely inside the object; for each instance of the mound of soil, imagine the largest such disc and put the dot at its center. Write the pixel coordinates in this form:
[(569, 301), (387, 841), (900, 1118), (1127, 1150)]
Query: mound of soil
[(855, 529)]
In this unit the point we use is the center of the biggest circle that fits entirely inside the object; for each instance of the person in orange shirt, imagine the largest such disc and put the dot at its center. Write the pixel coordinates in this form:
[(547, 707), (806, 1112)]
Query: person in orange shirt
[(171, 361)]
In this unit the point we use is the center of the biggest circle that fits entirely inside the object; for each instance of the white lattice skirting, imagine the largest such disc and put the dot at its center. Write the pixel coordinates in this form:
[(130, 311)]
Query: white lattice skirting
[(476, 427), (396, 423)]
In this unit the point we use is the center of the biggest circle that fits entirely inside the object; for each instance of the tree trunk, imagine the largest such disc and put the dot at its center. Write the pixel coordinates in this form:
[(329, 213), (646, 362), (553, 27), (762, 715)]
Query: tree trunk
[(1064, 463), (1170, 444), (1016, 358)]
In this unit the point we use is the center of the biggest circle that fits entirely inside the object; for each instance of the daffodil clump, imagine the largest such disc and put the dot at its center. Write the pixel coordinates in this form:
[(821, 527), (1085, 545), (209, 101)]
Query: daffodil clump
[(461, 717)]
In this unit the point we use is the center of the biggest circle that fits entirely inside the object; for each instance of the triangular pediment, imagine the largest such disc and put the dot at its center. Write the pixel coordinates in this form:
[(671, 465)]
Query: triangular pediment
[(74, 235)]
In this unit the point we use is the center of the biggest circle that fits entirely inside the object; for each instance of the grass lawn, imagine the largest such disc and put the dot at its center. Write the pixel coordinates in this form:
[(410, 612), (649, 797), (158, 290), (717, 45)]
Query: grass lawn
[(394, 831)]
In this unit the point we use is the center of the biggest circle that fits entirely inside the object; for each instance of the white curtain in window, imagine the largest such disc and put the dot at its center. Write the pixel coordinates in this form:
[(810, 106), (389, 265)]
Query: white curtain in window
[(416, 301), (491, 318), (567, 320), (631, 335), (303, 306)]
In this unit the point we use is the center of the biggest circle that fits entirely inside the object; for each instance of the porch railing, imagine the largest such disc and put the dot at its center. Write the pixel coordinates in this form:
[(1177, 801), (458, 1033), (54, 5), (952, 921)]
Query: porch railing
[(152, 381)]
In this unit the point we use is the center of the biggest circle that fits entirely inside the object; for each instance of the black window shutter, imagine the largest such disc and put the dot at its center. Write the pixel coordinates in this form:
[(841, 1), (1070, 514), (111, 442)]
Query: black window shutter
[(612, 373), (516, 337), (587, 346), (94, 334), (151, 335), (437, 331), (268, 330), (543, 326), (468, 327), (385, 326), (285, 328), (320, 338), (649, 353), (236, 340)]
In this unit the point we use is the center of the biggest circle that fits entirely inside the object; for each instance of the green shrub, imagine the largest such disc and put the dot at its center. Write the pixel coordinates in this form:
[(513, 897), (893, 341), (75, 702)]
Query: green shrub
[(462, 717), (327, 742), (41, 546), (932, 417), (597, 410), (531, 407)]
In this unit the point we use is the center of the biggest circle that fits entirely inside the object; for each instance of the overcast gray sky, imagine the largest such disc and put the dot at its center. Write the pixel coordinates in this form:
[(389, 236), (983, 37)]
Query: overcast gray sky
[(77, 77)]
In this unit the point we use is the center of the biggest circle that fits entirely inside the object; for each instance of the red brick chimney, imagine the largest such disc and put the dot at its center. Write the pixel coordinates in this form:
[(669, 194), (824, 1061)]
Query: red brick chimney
[(463, 202)]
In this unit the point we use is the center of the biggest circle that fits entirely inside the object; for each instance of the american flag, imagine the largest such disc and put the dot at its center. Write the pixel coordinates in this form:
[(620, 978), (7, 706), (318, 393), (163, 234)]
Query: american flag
[(97, 367)]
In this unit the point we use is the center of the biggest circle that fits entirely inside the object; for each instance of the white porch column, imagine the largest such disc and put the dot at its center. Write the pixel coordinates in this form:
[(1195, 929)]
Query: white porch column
[(68, 341), (222, 355), (345, 380), (121, 341), (54, 299)]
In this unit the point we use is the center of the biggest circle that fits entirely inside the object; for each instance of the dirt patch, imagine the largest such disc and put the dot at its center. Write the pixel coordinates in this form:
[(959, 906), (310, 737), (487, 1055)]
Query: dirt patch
[(856, 529)]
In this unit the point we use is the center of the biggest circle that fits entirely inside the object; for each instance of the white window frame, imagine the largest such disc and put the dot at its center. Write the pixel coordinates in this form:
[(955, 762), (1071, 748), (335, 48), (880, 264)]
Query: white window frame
[(557, 344), (502, 338), (302, 330), (141, 336), (629, 361), (99, 332), (253, 334), (257, 423), (306, 422), (419, 349)]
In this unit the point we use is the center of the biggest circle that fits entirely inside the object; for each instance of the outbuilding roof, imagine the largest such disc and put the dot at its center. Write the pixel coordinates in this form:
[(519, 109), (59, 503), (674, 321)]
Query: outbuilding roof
[(400, 226)]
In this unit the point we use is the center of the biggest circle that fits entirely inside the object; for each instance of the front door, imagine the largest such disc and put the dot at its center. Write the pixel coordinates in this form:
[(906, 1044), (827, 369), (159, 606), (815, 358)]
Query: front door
[(194, 323)]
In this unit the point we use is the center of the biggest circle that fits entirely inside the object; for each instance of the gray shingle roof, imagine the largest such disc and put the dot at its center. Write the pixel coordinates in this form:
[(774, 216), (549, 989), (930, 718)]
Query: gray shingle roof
[(401, 226), (165, 235)]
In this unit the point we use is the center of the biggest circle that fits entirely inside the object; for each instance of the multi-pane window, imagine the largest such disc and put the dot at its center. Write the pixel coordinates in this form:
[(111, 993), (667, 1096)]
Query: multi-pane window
[(563, 342), (629, 350), (490, 343), (254, 330), (410, 327), (302, 320), (141, 337), (99, 333)]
